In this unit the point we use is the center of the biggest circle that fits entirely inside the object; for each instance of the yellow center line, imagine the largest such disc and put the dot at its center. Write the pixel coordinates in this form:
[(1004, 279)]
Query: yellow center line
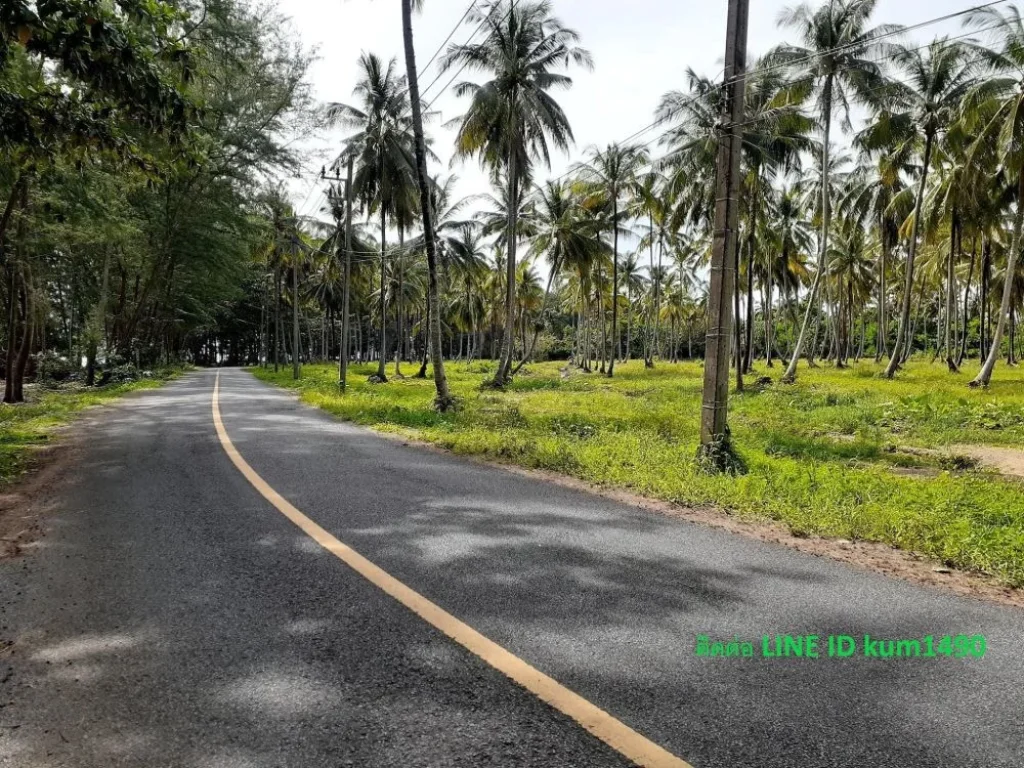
[(615, 734)]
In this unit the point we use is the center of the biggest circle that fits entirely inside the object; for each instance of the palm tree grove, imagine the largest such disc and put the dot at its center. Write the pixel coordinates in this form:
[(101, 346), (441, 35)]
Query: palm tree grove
[(527, 383)]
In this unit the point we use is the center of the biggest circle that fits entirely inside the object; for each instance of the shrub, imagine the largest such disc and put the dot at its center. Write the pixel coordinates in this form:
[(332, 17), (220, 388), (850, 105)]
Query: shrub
[(122, 374), (51, 367)]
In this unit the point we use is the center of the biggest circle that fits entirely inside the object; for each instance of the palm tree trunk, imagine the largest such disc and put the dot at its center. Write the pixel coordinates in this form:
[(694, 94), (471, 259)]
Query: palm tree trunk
[(863, 337), (296, 348), (983, 300), (17, 376), (826, 220), (1011, 353), (967, 303), (950, 286), (849, 343), (627, 356), (589, 332), (399, 306), (382, 353), (528, 352), (277, 318), (812, 350), (264, 324), (649, 334), (504, 374), (908, 288), (984, 377), (748, 355), (737, 338), (616, 347), (346, 309), (881, 333)]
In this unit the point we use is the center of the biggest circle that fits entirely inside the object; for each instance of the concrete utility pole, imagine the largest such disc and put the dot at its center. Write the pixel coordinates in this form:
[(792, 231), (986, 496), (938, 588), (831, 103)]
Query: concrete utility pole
[(714, 427), (347, 277)]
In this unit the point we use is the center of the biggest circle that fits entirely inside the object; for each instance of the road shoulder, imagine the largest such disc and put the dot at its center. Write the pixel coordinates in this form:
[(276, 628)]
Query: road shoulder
[(871, 556)]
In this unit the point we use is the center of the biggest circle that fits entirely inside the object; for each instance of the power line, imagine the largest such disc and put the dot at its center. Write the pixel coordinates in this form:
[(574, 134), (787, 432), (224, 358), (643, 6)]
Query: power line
[(480, 26), (761, 70), (891, 81), (653, 162), (769, 69), (861, 43), (426, 66), (447, 40), (746, 75)]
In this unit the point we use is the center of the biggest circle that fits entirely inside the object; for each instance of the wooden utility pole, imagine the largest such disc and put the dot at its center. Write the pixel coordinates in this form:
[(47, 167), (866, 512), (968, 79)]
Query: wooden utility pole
[(714, 427), (347, 277)]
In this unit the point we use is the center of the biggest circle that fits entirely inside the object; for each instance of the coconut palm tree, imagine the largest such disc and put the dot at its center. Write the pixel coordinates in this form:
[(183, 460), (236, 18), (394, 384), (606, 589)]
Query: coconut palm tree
[(790, 238), (285, 253), (851, 269), (385, 174), (868, 199), (927, 103), (951, 206), (635, 283), (834, 53), (775, 132), (614, 170), (562, 233), (993, 111), (512, 120), (654, 199), (493, 219), (443, 400), (448, 226), (467, 267)]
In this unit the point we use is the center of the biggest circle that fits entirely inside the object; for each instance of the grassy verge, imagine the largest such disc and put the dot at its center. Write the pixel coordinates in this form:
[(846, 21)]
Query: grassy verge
[(837, 454), (29, 426)]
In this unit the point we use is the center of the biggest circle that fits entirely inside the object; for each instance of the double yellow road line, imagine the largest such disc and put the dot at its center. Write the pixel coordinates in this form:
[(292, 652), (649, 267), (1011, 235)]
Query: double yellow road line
[(614, 733)]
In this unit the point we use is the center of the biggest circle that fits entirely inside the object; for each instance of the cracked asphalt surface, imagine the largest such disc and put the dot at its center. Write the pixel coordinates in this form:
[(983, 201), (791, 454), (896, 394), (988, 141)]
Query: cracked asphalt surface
[(172, 617)]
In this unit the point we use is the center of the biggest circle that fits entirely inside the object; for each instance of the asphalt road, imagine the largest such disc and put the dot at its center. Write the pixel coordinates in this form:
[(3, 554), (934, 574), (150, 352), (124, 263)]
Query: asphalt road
[(173, 617)]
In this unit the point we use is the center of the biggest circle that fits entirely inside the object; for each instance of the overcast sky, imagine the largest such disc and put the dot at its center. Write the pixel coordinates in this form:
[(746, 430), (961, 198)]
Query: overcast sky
[(641, 49)]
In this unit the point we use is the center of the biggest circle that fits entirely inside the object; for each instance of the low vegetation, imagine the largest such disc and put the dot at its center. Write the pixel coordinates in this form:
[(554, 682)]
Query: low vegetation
[(26, 428), (840, 453)]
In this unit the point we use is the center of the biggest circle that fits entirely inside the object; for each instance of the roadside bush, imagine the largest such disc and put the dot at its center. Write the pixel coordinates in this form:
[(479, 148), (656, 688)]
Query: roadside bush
[(51, 367), (122, 374)]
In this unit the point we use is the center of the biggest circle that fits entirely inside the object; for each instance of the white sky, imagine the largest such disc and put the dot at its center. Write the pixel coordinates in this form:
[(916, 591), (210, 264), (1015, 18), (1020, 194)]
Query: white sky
[(641, 49)]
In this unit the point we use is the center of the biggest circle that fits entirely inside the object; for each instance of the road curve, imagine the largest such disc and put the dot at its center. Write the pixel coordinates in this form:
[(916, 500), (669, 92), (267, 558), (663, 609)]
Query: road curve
[(174, 617)]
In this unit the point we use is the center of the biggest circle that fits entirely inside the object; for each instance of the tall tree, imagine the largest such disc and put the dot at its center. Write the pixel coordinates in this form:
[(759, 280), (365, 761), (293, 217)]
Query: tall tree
[(995, 111), (869, 199), (834, 53), (443, 400), (512, 118), (385, 174), (563, 233), (614, 169), (928, 102)]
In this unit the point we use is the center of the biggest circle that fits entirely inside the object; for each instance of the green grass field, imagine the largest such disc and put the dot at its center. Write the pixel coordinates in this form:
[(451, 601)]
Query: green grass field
[(29, 426), (836, 454)]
